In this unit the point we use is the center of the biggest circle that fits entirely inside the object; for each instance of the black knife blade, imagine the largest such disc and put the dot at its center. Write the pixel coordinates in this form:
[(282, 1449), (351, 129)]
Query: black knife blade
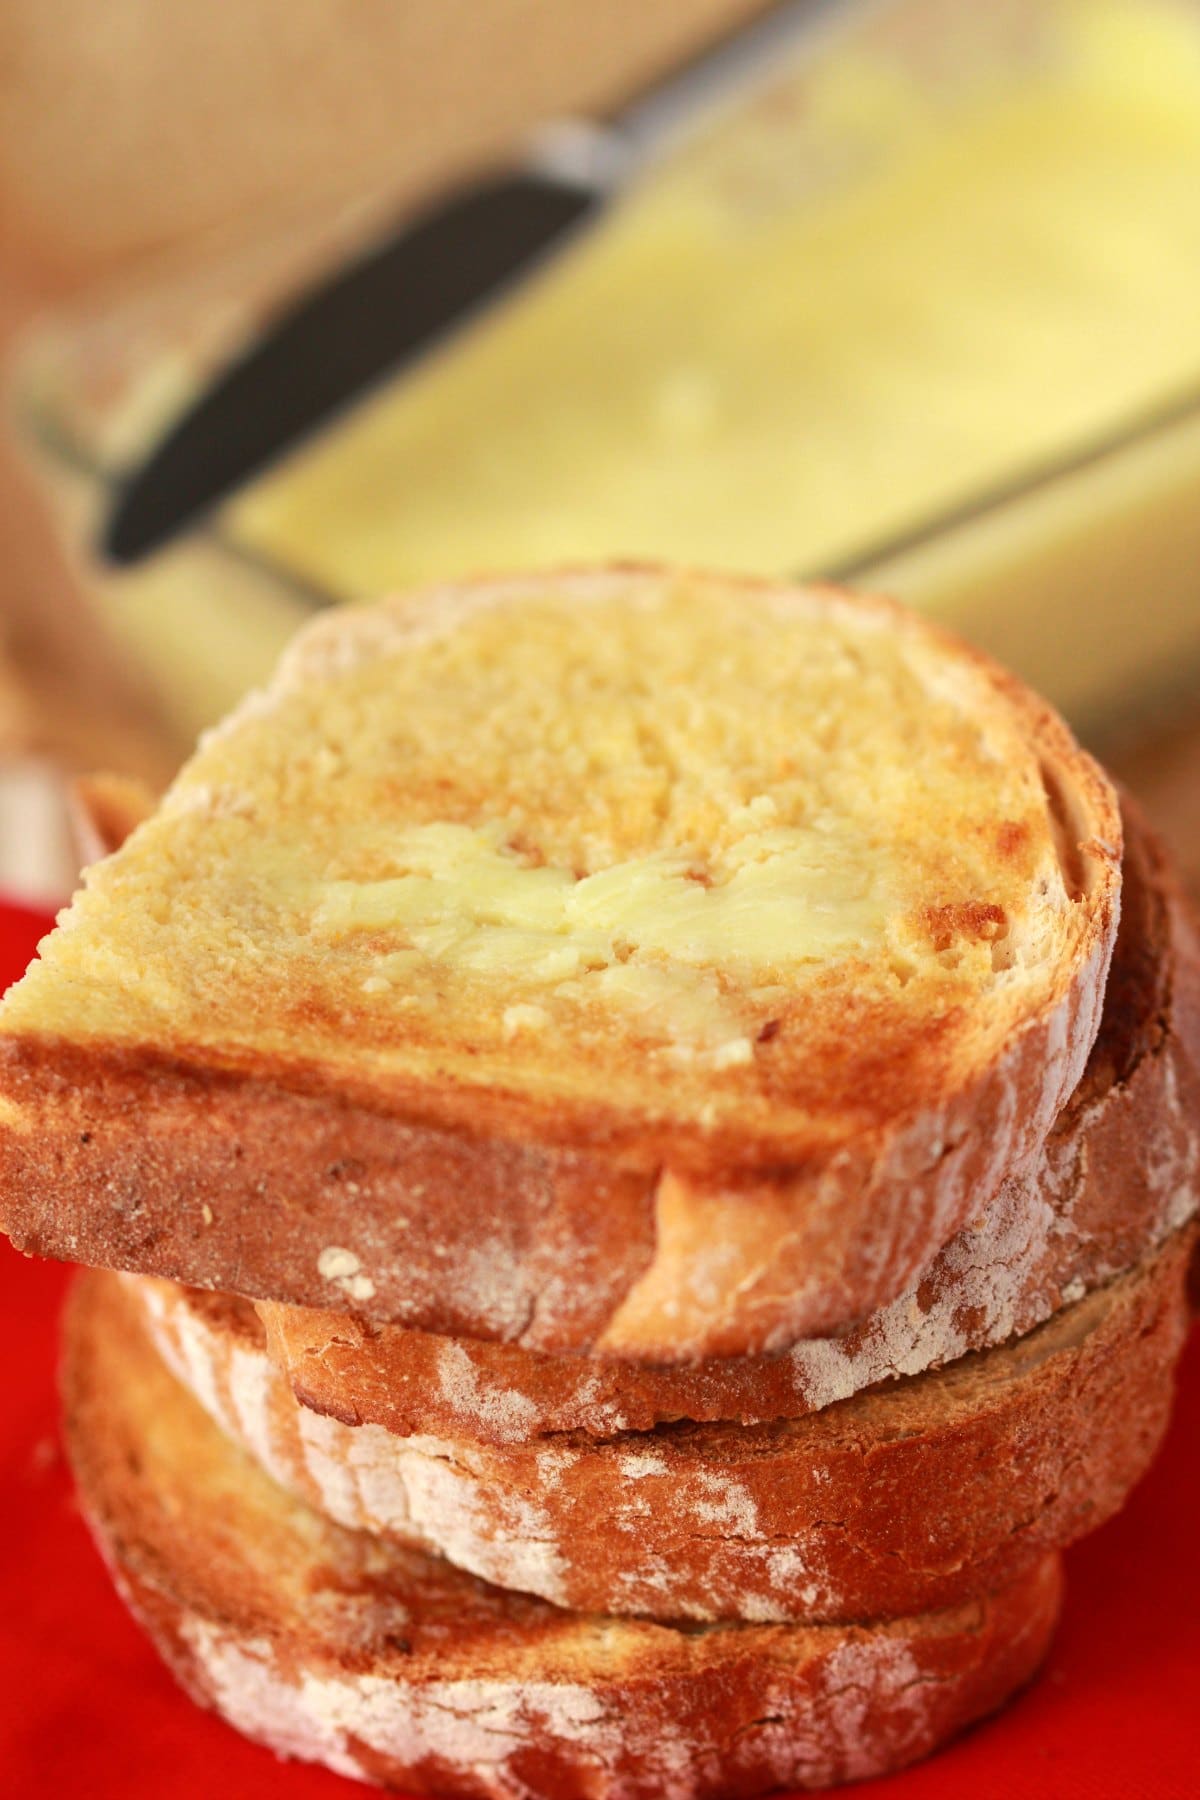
[(368, 319), (325, 350)]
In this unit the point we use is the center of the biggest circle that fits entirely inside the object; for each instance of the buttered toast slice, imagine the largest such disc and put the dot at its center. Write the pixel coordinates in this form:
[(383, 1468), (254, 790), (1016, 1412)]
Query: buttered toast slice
[(1118, 1173), (393, 1666), (639, 961)]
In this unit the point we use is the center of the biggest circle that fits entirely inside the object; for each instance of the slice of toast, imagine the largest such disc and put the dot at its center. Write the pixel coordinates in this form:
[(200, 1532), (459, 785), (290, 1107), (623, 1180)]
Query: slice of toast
[(395, 1667), (1119, 1172), (1117, 1175), (651, 963), (901, 1500)]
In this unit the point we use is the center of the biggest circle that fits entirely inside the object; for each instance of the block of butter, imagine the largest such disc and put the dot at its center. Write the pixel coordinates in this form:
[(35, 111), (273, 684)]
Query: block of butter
[(920, 313)]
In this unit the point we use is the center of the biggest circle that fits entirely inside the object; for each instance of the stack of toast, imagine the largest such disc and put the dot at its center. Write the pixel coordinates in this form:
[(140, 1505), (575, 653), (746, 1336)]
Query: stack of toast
[(637, 1137)]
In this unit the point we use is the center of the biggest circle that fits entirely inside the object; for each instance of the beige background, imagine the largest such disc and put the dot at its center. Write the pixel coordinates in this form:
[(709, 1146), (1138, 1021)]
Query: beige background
[(134, 129)]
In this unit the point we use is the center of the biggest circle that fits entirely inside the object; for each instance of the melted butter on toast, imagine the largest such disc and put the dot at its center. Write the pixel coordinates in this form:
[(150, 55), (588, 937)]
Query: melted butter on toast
[(632, 934)]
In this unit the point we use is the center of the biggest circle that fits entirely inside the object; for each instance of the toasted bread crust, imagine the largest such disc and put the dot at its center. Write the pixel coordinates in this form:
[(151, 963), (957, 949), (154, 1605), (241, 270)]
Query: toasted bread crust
[(104, 809), (395, 1667), (903, 1500), (1119, 1172), (485, 1209)]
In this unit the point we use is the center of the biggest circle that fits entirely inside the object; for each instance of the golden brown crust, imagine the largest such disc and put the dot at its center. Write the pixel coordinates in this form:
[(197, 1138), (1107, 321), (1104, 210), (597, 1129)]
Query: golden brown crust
[(901, 1500), (391, 1665), (1119, 1172), (568, 1219)]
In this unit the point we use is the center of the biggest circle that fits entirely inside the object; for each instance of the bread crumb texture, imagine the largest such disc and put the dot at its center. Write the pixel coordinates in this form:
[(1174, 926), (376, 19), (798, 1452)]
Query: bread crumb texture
[(714, 849)]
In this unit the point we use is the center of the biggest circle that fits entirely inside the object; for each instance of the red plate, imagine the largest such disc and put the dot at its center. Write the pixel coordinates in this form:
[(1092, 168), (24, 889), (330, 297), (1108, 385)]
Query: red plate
[(88, 1712)]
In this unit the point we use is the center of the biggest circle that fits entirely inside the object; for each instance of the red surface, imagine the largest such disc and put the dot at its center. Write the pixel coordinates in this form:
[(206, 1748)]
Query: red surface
[(88, 1713)]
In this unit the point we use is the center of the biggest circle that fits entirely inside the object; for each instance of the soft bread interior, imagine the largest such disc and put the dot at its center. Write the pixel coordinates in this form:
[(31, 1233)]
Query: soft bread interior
[(700, 847)]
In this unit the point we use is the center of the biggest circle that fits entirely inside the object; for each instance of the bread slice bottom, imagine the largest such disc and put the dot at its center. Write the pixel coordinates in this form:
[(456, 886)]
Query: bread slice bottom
[(905, 1498), (386, 1663)]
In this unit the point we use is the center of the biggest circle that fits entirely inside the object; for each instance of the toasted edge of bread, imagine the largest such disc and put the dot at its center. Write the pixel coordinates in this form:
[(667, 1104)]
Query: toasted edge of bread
[(899, 1500), (393, 1666)]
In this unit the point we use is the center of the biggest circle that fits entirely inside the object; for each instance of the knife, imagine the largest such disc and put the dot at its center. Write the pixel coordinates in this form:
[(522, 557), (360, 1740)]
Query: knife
[(368, 319)]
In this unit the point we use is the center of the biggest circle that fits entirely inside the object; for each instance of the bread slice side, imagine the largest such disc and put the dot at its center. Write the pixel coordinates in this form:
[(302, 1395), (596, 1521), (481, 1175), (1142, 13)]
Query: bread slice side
[(900, 1500), (1117, 1175), (392, 1666), (634, 961)]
